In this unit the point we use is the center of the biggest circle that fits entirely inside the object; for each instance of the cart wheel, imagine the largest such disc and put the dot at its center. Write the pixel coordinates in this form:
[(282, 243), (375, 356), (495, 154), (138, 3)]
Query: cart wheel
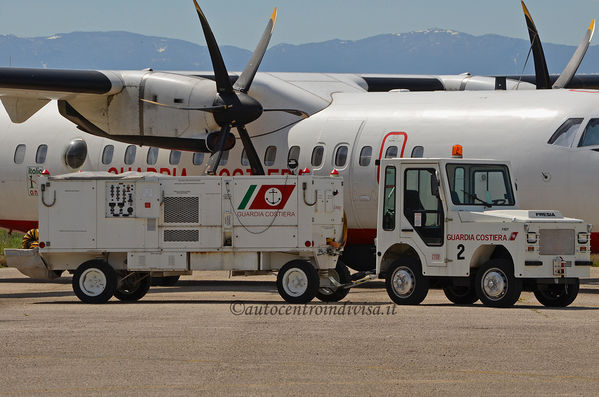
[(167, 281), (133, 287), (496, 285), (342, 275), (460, 295), (405, 283), (557, 295), (298, 282), (94, 282)]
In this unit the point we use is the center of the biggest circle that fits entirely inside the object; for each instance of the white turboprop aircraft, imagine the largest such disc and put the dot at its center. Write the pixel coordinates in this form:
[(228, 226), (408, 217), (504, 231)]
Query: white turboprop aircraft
[(549, 135)]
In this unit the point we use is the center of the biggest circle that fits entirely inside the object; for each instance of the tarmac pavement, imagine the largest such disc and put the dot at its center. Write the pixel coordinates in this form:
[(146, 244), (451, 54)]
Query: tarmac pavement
[(216, 335)]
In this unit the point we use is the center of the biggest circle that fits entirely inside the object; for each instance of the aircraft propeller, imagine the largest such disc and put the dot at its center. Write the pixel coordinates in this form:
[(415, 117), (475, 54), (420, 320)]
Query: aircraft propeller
[(541, 72)]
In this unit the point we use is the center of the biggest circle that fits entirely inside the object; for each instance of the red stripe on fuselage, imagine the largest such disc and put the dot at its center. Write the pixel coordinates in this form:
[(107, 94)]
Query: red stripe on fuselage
[(20, 226)]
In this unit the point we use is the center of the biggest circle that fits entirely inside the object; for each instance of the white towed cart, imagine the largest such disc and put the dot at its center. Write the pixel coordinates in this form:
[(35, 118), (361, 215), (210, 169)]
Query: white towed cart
[(114, 231)]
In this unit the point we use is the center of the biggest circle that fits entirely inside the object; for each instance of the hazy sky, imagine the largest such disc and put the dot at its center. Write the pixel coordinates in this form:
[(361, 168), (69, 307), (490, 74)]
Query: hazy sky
[(240, 22)]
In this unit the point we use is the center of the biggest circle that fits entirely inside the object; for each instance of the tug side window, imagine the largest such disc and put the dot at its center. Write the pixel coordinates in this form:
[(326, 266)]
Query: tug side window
[(389, 200), (422, 208)]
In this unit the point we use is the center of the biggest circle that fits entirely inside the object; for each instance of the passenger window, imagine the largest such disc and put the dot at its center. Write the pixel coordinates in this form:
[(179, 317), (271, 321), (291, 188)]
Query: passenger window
[(40, 155), (175, 157), (391, 152), (270, 156), (130, 154), (341, 156), (152, 157), (20, 153), (198, 158), (389, 200), (76, 153), (317, 155), (590, 135), (224, 158), (365, 155), (244, 158), (107, 154), (418, 152), (564, 135), (294, 152)]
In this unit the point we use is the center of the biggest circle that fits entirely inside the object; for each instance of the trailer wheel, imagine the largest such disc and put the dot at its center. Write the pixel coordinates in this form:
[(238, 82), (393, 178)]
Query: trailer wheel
[(340, 274), (405, 283), (297, 282), (167, 281), (133, 287), (557, 295), (460, 295), (94, 282), (496, 285)]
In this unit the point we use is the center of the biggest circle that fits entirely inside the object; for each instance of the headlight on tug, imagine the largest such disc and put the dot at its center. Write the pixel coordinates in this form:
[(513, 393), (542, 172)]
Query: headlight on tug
[(531, 237), (583, 238)]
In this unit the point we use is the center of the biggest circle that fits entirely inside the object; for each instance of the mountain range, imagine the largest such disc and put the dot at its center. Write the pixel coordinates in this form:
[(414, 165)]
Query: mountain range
[(431, 51)]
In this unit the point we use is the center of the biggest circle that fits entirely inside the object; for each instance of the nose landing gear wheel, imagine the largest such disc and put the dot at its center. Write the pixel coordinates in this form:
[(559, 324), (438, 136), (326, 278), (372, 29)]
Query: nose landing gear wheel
[(297, 282), (94, 282), (405, 283), (557, 295), (496, 285)]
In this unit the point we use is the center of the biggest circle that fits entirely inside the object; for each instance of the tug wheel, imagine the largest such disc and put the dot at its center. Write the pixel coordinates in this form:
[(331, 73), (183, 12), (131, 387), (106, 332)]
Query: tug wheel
[(460, 295), (297, 282), (132, 287), (94, 282), (341, 275), (557, 295), (405, 283), (496, 285)]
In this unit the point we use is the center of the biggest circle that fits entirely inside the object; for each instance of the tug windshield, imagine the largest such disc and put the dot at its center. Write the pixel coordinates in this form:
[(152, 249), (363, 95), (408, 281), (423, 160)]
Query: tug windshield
[(480, 184)]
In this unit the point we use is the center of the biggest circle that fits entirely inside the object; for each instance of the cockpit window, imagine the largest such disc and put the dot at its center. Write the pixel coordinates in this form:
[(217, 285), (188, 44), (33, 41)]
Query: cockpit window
[(590, 136), (480, 184), (564, 135)]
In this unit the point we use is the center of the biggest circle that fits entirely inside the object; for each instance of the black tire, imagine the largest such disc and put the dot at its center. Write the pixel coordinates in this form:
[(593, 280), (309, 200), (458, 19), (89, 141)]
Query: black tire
[(167, 281), (133, 287), (496, 285), (557, 295), (405, 283), (297, 282), (94, 282), (342, 275), (460, 295)]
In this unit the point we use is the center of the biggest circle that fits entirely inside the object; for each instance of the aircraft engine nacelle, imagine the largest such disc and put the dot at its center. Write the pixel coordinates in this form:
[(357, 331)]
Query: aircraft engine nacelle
[(125, 114)]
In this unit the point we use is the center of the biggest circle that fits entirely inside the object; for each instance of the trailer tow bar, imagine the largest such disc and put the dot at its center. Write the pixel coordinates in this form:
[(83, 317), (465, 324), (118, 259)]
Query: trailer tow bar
[(365, 277)]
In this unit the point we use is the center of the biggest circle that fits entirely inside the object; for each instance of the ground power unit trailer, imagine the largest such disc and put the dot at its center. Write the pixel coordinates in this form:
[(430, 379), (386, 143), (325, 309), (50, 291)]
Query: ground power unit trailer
[(114, 231), (455, 223)]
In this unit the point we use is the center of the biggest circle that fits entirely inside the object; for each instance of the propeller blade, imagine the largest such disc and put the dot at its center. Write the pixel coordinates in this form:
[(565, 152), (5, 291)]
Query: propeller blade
[(250, 151), (244, 81), (223, 84), (214, 159), (210, 109), (572, 66), (541, 72), (295, 112)]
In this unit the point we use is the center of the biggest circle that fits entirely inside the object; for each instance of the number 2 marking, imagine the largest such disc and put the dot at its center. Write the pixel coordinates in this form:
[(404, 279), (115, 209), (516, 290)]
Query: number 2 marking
[(461, 251)]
